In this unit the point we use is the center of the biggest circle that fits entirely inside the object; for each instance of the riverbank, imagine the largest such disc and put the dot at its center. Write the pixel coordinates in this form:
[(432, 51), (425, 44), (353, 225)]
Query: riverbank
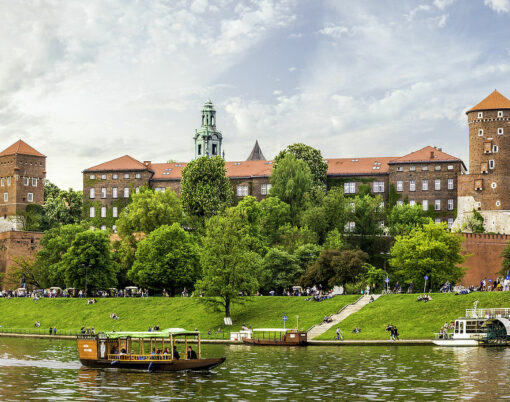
[(138, 314)]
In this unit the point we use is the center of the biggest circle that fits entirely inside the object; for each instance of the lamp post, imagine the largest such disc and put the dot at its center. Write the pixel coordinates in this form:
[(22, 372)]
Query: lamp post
[(387, 279)]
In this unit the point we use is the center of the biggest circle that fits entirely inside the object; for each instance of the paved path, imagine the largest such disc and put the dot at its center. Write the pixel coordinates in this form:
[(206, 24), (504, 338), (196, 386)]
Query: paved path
[(340, 316)]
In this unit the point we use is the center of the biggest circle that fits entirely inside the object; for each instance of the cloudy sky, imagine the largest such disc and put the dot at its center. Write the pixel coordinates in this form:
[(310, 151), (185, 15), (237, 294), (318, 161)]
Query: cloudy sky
[(87, 81)]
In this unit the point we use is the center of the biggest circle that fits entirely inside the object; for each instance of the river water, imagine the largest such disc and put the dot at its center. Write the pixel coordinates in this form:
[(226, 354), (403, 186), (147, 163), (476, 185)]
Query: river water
[(50, 370)]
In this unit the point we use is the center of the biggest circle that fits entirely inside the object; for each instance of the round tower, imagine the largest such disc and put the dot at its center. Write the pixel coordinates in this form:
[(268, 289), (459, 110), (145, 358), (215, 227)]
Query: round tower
[(208, 140), (489, 152)]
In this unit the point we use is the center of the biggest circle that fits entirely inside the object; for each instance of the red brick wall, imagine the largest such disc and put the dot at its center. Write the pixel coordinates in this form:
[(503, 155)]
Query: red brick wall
[(485, 260), (17, 244)]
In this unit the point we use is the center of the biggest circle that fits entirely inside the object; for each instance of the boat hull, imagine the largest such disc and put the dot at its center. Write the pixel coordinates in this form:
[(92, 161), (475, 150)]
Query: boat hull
[(147, 365), (455, 342), (271, 342)]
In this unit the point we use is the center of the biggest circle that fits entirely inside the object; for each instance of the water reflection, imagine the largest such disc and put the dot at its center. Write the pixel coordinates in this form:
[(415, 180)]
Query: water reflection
[(41, 369)]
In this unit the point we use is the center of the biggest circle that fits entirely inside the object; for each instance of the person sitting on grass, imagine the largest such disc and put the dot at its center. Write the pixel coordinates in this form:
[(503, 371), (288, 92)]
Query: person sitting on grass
[(356, 330), (37, 324)]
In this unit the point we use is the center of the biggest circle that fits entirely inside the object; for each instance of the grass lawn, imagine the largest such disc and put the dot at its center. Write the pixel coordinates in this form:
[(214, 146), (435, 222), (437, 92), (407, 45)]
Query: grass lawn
[(414, 320), (137, 314)]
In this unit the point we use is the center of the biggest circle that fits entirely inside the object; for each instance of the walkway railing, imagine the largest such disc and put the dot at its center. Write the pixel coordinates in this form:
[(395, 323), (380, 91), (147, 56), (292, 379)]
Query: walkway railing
[(488, 313), (39, 331)]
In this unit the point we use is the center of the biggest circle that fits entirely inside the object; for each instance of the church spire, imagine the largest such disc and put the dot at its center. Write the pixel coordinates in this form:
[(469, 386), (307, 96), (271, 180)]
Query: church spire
[(256, 153), (208, 140)]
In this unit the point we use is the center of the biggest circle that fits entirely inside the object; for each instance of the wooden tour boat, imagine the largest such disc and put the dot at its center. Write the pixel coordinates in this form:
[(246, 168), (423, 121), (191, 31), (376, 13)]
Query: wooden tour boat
[(129, 350), (277, 337)]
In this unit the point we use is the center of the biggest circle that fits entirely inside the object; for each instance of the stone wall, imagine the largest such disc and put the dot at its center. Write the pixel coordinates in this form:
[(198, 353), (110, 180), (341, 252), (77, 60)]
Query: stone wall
[(485, 260), (16, 244)]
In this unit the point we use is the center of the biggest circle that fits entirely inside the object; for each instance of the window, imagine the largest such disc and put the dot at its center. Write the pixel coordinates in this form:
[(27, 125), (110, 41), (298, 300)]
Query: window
[(92, 212), (115, 176), (34, 182), (381, 206), (2, 182), (137, 190), (425, 185), (353, 206), (500, 113), (126, 175), (349, 227), (400, 169), (92, 177), (92, 193), (6, 197), (412, 185), (424, 168), (138, 176), (214, 149), (437, 205), (437, 184), (103, 192), (126, 192), (114, 212), (115, 192), (242, 190), (103, 212), (493, 184), (498, 203), (425, 205), (400, 186), (437, 221), (412, 168), (349, 188), (491, 164), (378, 187), (450, 205), (30, 197), (450, 184), (500, 131), (480, 133), (450, 167), (450, 223), (264, 189), (103, 177), (480, 115), (400, 203), (199, 149), (25, 181), (495, 149), (114, 228), (437, 167), (8, 181), (412, 203)]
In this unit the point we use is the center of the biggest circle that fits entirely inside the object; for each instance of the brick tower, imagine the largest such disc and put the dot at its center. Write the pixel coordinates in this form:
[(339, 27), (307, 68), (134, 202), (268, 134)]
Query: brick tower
[(22, 171), (487, 186)]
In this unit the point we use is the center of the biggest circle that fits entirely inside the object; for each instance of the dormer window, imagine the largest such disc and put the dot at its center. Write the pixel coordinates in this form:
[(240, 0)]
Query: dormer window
[(480, 115)]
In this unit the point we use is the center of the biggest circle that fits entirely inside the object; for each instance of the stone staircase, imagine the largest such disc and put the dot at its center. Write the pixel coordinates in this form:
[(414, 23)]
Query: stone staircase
[(345, 312)]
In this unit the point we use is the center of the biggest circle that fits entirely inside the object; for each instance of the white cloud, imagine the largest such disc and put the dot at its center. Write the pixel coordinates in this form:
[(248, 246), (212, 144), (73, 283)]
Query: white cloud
[(335, 31), (500, 6), (292, 69), (442, 4), (441, 21), (415, 11)]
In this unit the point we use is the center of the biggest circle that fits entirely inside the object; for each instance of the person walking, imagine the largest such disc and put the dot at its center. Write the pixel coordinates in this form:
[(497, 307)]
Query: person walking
[(339, 335)]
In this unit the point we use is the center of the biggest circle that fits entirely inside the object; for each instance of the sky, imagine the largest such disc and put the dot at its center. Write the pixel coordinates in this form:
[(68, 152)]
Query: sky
[(85, 82)]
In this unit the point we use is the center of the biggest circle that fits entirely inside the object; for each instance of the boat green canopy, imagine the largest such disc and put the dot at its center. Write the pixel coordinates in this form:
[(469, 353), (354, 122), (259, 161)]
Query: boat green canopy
[(164, 333)]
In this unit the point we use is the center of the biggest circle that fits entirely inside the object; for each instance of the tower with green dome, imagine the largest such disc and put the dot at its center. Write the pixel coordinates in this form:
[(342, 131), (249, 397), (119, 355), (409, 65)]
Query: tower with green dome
[(207, 139)]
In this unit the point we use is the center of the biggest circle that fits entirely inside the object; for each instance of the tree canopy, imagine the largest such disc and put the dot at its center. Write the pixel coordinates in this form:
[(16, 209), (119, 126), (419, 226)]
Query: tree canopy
[(404, 218)]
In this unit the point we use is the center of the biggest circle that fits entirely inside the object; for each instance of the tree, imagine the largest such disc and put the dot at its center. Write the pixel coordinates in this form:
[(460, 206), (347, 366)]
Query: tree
[(149, 210), (429, 250), (334, 241), (505, 254), (404, 218), (335, 267), (335, 205), (248, 213), (311, 156), (54, 244), (292, 237), (279, 270), (124, 255), (166, 259), (88, 262), (205, 189), (24, 270), (229, 267), (274, 214), (290, 181), (474, 223)]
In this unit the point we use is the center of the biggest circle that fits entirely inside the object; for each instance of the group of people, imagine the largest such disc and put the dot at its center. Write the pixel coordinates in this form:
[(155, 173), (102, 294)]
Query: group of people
[(87, 331), (114, 316), (191, 354), (424, 298), (392, 329), (152, 329), (443, 331)]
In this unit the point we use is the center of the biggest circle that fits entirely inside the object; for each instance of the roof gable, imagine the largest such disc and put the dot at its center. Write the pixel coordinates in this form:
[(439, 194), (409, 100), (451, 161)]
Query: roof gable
[(125, 162), (494, 101), (426, 154), (20, 147)]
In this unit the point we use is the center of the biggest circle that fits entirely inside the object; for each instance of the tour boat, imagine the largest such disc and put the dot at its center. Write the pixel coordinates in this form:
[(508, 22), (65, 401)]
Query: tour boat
[(129, 350), (277, 337), (471, 330)]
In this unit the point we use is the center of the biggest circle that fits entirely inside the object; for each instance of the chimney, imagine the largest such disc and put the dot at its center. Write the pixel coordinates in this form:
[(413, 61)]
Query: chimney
[(147, 163), (431, 154), (440, 149)]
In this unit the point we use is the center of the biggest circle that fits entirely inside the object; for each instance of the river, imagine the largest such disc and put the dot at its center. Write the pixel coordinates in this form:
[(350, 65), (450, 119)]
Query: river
[(38, 369)]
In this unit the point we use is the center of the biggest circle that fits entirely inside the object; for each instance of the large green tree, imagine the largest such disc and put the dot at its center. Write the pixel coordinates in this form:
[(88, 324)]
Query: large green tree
[(274, 214), (430, 250), (311, 156), (88, 262), (166, 259), (149, 210), (280, 270), (404, 218), (229, 266), (290, 182), (205, 189)]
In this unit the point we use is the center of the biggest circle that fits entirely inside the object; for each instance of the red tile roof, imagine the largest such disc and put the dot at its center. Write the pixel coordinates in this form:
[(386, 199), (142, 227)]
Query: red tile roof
[(125, 162), (427, 154), (358, 166), (21, 148), (494, 101)]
